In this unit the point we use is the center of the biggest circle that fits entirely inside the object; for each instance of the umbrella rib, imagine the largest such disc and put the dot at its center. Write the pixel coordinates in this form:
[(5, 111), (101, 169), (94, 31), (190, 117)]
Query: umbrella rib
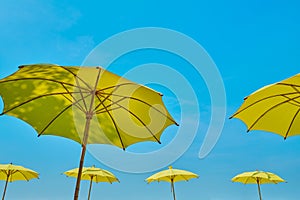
[(71, 101), (249, 178), (81, 94), (262, 115), (182, 177), (116, 127), (290, 126), (105, 97), (102, 94), (141, 121), (28, 101), (60, 113), (126, 97), (260, 100), (108, 110), (53, 119), (8, 174), (21, 172), (105, 110), (144, 102), (77, 77), (116, 86), (128, 83), (42, 79), (289, 84), (108, 179), (114, 123), (297, 102), (120, 106)]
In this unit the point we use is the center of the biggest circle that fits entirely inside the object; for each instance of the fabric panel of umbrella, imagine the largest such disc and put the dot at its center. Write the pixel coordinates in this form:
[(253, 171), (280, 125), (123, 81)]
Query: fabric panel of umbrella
[(273, 108), (10, 173), (85, 104), (172, 175), (257, 177)]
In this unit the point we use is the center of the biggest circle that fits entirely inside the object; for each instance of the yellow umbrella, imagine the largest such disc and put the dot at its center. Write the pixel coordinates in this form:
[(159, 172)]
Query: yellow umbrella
[(274, 108), (172, 175), (257, 177), (86, 104), (93, 174), (10, 173)]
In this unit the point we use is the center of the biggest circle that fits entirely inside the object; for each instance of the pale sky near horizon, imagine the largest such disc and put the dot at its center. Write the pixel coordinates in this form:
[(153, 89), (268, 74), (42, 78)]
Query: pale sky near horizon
[(252, 44)]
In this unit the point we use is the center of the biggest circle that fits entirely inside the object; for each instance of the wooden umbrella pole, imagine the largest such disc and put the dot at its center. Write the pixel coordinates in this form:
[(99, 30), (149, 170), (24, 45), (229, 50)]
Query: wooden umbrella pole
[(86, 131), (173, 189), (259, 192), (89, 116), (4, 191), (91, 182), (79, 172)]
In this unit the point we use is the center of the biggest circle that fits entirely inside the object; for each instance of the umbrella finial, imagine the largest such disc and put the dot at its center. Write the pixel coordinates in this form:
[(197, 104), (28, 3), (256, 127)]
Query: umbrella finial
[(170, 167)]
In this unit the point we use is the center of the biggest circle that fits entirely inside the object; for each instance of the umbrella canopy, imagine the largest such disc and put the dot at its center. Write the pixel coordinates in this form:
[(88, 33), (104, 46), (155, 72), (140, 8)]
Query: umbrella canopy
[(172, 175), (273, 108), (257, 177), (93, 174), (10, 173), (85, 104)]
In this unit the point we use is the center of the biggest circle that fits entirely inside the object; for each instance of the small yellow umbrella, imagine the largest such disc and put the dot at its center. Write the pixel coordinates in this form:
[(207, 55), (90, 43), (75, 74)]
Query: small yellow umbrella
[(172, 175), (93, 174), (273, 108), (257, 177), (10, 173)]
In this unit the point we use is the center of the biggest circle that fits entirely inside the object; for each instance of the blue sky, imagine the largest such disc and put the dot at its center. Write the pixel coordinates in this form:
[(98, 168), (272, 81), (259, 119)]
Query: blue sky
[(252, 43)]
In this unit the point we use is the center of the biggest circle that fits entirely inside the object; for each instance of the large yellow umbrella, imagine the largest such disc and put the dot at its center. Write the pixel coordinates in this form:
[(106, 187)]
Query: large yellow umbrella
[(93, 174), (257, 177), (273, 108), (86, 104), (10, 173), (172, 175)]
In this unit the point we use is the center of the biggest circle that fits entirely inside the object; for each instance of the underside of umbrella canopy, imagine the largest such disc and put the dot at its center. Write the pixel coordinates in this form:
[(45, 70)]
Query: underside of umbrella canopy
[(56, 100), (273, 108)]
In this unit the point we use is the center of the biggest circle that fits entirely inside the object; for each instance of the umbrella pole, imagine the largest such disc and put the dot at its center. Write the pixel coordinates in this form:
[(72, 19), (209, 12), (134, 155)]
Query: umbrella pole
[(5, 187), (89, 116), (173, 189), (259, 192), (90, 188), (86, 131), (79, 172)]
